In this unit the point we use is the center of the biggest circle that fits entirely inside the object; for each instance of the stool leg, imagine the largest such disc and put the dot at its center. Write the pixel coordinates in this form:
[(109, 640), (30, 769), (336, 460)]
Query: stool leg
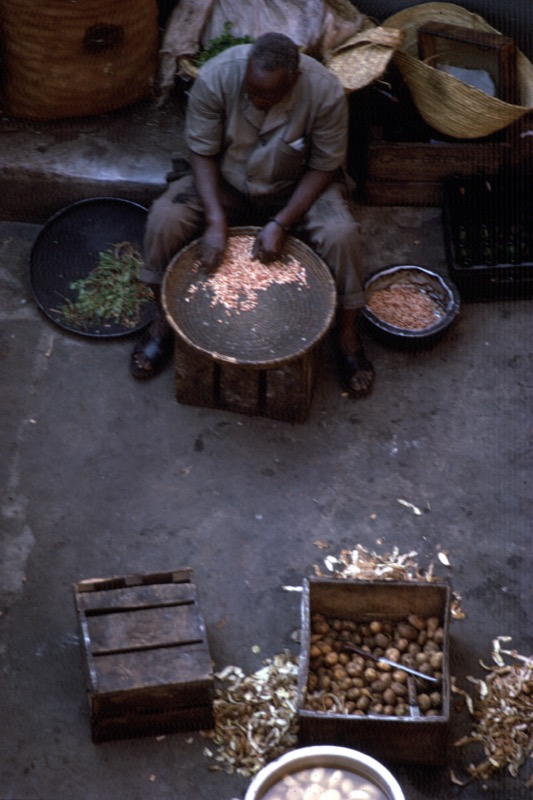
[(194, 376), (289, 389)]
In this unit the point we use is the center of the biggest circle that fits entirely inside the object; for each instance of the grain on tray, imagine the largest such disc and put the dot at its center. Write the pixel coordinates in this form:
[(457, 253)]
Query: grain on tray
[(404, 306), (238, 279)]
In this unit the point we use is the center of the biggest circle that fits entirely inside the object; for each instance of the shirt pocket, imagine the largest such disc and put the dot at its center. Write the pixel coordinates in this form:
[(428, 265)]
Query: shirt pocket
[(291, 159)]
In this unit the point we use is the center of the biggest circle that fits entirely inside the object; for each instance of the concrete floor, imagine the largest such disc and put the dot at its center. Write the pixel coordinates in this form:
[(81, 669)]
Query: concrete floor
[(103, 476)]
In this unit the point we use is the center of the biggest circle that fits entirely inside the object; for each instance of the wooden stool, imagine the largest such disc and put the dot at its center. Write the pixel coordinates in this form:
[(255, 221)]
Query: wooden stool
[(283, 392), (260, 363)]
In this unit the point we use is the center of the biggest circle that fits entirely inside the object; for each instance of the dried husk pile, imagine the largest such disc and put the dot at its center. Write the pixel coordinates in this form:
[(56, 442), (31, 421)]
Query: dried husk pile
[(503, 715), (255, 715)]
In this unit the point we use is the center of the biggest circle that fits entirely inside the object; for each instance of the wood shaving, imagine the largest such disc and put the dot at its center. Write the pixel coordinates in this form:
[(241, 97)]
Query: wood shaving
[(413, 508), (503, 715), (362, 564), (365, 565), (255, 716)]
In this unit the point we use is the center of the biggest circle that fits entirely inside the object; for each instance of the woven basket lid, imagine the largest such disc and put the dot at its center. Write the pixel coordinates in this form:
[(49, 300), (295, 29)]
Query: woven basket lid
[(446, 103), (363, 57), (286, 321)]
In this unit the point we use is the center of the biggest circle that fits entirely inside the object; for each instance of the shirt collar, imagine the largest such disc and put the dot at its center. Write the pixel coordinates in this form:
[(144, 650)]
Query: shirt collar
[(275, 117)]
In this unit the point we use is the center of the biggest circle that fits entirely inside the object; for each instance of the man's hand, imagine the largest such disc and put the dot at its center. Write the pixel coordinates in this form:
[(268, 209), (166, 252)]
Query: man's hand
[(213, 246), (269, 243)]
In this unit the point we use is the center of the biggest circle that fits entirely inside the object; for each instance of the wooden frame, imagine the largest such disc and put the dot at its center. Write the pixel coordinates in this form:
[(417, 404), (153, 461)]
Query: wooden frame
[(458, 46)]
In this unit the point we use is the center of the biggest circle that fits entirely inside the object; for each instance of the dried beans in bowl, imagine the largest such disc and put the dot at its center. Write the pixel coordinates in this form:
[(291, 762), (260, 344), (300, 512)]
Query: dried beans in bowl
[(408, 303)]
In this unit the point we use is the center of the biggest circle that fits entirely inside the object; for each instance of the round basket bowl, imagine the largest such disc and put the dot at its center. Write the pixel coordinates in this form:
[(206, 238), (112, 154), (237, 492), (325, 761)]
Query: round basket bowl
[(439, 289), (380, 783), (267, 327), (67, 250)]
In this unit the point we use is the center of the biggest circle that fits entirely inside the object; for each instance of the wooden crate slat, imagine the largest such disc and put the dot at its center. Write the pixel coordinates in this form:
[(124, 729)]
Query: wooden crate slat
[(137, 597), (281, 393), (403, 193), (239, 389), (182, 575), (294, 380), (133, 724), (194, 375), (374, 600), (420, 161), (411, 173), (178, 668), (151, 627)]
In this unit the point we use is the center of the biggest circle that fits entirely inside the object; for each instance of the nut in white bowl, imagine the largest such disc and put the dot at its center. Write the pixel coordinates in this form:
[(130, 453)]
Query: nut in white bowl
[(324, 772)]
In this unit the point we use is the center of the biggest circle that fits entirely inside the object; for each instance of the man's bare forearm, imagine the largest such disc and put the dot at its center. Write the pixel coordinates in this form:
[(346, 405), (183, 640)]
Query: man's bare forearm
[(308, 189), (205, 171)]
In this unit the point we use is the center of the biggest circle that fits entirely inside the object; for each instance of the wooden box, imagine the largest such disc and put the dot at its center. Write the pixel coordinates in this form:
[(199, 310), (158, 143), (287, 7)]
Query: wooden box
[(145, 654), (283, 393), (421, 740), (412, 173), (440, 43)]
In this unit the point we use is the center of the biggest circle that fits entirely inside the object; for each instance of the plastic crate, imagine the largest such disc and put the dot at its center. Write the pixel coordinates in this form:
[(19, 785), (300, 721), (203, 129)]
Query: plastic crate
[(488, 235)]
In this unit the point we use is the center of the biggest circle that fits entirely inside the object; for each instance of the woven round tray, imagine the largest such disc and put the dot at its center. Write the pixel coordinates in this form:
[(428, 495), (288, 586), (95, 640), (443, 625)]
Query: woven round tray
[(285, 322)]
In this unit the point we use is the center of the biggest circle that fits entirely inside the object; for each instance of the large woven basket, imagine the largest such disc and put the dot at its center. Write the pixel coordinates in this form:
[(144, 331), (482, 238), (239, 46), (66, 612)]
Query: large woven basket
[(76, 58), (444, 102)]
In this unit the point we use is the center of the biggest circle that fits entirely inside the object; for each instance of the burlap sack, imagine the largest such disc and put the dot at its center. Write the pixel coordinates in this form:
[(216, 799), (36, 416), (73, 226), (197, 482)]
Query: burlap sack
[(316, 26)]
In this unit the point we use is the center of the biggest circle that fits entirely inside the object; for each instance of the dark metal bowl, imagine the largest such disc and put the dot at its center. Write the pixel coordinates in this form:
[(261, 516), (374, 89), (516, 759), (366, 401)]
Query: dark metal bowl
[(67, 249), (439, 288)]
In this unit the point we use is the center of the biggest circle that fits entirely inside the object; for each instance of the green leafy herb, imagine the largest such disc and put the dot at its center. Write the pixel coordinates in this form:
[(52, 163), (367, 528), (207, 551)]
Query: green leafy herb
[(111, 293), (221, 43)]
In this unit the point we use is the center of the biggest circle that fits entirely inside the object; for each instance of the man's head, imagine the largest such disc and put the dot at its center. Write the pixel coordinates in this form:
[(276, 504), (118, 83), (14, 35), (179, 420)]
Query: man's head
[(272, 70)]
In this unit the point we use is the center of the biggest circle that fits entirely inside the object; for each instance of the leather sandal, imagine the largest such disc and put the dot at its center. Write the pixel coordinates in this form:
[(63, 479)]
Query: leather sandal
[(151, 355), (357, 374)]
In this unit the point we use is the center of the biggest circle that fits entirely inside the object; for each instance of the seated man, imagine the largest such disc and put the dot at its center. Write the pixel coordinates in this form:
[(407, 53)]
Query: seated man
[(266, 129)]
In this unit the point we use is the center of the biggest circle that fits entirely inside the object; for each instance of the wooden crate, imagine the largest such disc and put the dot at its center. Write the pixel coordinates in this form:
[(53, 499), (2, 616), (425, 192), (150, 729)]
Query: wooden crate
[(145, 653), (283, 393), (399, 739), (411, 173)]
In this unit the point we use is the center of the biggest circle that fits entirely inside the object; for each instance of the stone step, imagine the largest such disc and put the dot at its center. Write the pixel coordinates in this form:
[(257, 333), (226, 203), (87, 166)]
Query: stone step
[(48, 165)]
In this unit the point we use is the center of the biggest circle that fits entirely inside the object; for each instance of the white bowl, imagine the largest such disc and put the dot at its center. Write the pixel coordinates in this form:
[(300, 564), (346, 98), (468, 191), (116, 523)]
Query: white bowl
[(325, 756)]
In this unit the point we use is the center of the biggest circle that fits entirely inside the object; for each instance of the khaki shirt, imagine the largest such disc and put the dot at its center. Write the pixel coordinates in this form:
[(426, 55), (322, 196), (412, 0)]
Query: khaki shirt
[(265, 152)]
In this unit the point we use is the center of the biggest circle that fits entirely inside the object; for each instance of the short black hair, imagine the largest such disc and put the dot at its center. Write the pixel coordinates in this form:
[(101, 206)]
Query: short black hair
[(273, 51)]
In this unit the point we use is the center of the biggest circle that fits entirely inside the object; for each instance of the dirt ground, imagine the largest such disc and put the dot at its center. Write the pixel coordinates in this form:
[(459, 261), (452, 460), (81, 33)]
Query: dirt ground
[(104, 476)]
